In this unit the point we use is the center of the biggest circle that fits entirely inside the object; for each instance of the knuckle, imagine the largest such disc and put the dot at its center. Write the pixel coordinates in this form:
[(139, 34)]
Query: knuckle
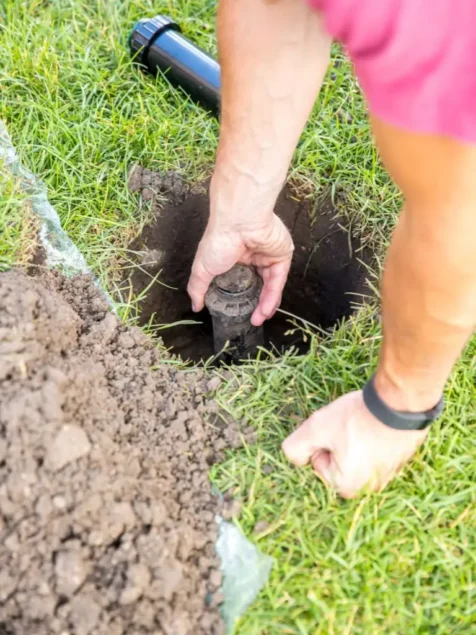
[(348, 494), (314, 424)]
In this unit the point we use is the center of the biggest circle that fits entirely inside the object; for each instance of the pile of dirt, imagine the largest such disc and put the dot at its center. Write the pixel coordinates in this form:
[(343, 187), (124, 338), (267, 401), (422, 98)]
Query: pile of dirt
[(328, 277), (107, 520)]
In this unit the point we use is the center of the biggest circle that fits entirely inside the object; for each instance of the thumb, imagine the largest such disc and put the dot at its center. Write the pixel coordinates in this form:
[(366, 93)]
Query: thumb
[(274, 279), (311, 437), (198, 285)]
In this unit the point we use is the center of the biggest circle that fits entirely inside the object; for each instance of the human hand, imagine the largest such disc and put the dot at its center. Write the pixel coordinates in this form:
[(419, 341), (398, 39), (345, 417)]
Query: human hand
[(349, 448), (265, 244)]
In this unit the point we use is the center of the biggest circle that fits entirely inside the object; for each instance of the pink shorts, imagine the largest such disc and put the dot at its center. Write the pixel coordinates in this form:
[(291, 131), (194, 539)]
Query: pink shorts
[(415, 60)]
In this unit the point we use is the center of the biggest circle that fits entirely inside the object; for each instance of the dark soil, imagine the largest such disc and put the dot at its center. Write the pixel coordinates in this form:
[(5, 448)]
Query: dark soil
[(107, 520), (326, 282)]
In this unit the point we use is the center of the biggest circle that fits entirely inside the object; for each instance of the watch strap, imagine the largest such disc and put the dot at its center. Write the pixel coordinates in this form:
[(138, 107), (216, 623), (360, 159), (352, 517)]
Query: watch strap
[(395, 418)]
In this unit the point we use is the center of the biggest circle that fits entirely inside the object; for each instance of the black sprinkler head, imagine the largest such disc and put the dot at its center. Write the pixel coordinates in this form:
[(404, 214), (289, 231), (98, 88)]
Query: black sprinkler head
[(158, 45), (231, 301)]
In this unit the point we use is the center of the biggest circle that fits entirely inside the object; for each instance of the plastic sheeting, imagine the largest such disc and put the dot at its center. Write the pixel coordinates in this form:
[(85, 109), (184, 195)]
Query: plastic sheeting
[(246, 570), (60, 250)]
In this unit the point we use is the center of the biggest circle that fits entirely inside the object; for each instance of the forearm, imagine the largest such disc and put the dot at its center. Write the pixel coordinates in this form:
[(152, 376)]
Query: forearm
[(429, 304), (273, 58), (429, 284)]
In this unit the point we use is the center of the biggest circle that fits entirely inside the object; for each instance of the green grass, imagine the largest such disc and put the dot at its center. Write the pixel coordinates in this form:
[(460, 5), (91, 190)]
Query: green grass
[(401, 561), (80, 115)]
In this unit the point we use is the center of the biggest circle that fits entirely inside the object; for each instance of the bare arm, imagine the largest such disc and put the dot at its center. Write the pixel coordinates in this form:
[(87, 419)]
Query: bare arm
[(273, 55), (429, 312), (429, 286)]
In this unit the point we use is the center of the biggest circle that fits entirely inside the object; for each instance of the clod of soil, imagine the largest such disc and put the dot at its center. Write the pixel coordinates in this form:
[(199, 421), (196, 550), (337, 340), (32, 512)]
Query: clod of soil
[(326, 282), (107, 520)]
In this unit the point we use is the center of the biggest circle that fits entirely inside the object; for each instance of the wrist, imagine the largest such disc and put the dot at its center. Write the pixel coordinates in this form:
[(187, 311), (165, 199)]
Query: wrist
[(405, 394), (240, 198)]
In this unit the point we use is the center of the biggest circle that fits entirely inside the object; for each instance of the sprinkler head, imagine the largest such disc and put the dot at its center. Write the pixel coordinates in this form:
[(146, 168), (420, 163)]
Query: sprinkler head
[(158, 45), (237, 282), (145, 32), (231, 301)]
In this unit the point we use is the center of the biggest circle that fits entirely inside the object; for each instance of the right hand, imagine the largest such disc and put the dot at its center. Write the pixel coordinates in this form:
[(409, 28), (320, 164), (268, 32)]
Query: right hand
[(349, 448), (266, 244)]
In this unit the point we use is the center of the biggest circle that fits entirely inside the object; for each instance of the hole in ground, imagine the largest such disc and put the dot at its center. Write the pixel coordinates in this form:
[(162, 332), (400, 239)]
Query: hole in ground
[(326, 282)]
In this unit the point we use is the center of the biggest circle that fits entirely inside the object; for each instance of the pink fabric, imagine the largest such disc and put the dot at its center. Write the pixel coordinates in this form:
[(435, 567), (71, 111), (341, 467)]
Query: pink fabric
[(415, 60)]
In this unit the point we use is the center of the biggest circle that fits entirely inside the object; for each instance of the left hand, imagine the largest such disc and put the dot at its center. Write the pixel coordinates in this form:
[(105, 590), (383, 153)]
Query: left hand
[(349, 448)]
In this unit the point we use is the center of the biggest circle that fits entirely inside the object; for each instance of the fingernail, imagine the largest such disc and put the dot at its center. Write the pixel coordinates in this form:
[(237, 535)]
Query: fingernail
[(256, 321), (194, 307)]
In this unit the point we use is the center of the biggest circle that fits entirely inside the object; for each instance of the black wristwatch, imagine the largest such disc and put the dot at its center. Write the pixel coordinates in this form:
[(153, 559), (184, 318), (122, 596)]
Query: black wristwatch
[(395, 418)]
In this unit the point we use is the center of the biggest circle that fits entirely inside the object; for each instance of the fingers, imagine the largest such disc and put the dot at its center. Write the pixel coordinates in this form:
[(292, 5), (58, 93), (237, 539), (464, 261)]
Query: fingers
[(218, 251), (274, 279), (312, 442), (198, 285), (322, 464), (349, 449), (311, 438)]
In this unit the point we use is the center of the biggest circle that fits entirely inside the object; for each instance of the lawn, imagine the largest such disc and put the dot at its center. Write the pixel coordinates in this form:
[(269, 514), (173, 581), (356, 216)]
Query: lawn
[(402, 561)]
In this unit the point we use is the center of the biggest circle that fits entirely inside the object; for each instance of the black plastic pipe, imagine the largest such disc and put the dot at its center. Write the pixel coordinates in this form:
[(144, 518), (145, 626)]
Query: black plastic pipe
[(158, 45)]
